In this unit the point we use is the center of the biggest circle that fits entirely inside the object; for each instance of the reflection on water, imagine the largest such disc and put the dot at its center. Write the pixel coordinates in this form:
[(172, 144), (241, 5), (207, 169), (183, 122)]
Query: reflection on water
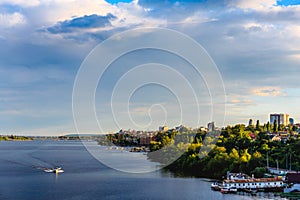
[(87, 178), (122, 159)]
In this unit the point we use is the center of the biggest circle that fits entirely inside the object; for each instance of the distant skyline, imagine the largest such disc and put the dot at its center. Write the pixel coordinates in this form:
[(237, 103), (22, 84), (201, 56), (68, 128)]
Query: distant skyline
[(255, 45)]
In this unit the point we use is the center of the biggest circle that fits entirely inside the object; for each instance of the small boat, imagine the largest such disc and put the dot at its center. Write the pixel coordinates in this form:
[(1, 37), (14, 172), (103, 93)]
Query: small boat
[(48, 170), (58, 170), (215, 186), (54, 170), (225, 190)]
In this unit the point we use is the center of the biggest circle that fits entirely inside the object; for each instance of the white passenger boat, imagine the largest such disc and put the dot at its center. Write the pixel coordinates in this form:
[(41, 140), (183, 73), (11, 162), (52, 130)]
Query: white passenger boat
[(243, 182)]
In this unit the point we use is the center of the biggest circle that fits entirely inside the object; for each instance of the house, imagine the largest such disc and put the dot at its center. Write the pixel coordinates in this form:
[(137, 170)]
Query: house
[(276, 138), (294, 179)]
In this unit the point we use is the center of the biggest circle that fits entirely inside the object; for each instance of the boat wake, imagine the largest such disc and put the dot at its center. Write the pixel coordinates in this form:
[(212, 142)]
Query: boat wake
[(28, 160)]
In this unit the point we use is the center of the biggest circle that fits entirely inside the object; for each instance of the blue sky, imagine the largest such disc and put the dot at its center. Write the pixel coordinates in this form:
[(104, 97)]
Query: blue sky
[(116, 1), (288, 2), (255, 45)]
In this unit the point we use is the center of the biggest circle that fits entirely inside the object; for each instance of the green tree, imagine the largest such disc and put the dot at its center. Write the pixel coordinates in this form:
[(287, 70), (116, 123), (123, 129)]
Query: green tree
[(245, 156), (275, 126), (259, 172), (268, 126), (257, 127)]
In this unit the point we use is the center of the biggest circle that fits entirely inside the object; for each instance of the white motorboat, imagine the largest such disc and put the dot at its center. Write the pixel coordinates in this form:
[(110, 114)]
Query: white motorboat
[(54, 170), (58, 170), (48, 170), (215, 186)]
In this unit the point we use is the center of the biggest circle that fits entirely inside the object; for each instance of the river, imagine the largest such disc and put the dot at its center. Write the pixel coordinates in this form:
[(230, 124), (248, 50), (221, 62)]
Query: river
[(22, 177)]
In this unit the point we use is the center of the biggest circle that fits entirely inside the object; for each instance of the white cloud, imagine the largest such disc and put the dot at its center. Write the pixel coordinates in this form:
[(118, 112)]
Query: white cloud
[(258, 26), (239, 100), (49, 12), (196, 18), (22, 3), (10, 20), (268, 92), (253, 4), (133, 14), (58, 10), (292, 31), (295, 57)]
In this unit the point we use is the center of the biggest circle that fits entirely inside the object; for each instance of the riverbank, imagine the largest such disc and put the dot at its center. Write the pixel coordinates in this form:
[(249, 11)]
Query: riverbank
[(14, 138)]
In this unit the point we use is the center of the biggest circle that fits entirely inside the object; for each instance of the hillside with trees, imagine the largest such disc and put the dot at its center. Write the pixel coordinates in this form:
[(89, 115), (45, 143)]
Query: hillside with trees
[(13, 137), (234, 148)]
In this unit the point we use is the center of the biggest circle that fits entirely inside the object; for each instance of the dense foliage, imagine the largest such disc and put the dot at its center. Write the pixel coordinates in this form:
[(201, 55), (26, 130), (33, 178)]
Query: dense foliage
[(236, 149), (14, 137)]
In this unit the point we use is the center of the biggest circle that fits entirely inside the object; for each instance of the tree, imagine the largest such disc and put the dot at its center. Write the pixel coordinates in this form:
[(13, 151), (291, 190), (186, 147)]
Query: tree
[(265, 127), (294, 128), (275, 126), (268, 126), (259, 172), (234, 155), (257, 127), (245, 156)]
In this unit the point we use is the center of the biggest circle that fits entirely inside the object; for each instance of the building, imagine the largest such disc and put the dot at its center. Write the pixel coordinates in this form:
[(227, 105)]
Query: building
[(250, 122), (282, 119), (163, 129), (146, 138), (291, 120), (211, 126), (294, 179)]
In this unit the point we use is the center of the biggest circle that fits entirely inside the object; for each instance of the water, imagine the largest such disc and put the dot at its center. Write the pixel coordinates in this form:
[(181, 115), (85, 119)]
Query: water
[(21, 176)]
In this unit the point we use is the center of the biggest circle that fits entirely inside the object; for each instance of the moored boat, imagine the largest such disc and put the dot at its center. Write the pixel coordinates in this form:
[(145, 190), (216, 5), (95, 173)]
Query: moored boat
[(226, 190), (215, 186), (246, 183)]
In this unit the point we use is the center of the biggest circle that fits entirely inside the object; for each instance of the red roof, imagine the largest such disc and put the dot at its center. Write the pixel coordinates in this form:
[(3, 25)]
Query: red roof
[(253, 180)]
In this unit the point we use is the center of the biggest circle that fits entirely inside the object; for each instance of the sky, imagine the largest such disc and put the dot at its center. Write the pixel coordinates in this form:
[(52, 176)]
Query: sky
[(43, 43)]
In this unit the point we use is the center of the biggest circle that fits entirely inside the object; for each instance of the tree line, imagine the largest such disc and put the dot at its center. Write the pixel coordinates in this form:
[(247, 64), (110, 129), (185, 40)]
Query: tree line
[(236, 148), (13, 137)]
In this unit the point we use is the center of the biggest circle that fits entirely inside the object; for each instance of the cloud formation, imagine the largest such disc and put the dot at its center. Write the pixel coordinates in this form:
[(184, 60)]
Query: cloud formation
[(255, 45), (11, 20), (23, 3), (268, 92), (85, 22)]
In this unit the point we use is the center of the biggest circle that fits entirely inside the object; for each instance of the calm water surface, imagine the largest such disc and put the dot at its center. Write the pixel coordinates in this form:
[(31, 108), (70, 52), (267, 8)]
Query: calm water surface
[(85, 177)]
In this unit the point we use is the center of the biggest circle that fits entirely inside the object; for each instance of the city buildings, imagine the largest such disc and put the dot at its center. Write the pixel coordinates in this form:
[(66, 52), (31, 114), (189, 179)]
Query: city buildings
[(211, 126), (281, 119), (291, 120), (163, 129), (250, 122)]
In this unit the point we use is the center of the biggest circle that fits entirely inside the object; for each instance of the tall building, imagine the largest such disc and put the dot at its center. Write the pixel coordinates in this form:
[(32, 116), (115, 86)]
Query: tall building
[(250, 122), (163, 128), (211, 126), (282, 119), (291, 120)]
